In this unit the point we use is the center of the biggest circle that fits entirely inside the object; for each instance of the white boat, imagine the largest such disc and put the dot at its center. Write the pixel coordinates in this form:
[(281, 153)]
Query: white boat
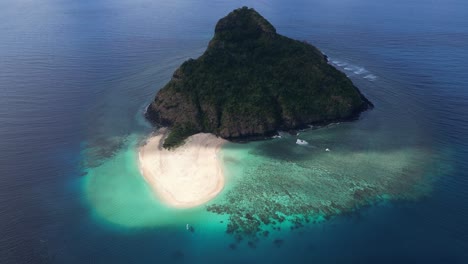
[(301, 142)]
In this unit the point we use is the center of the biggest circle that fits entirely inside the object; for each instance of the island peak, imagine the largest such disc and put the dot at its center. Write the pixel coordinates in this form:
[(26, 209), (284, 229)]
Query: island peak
[(243, 23)]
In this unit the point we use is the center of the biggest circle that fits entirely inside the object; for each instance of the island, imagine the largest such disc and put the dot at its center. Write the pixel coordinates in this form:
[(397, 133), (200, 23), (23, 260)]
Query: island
[(250, 83)]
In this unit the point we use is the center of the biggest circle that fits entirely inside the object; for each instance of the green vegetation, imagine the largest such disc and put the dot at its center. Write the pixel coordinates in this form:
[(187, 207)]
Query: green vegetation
[(177, 136), (251, 82)]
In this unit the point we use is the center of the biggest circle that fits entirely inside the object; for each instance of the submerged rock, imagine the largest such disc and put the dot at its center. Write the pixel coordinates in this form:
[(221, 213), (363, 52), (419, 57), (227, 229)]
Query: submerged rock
[(277, 194), (278, 242)]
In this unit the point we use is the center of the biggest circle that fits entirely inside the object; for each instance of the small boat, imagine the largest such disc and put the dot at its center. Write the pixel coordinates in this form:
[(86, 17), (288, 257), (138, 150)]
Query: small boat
[(301, 142), (187, 226), (327, 149)]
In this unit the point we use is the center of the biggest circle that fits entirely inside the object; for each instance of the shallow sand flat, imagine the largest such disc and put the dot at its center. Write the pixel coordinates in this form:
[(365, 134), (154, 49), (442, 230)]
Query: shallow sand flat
[(185, 177)]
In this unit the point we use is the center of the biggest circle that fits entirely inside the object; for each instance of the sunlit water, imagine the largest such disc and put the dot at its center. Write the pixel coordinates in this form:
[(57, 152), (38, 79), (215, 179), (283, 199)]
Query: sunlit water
[(74, 82)]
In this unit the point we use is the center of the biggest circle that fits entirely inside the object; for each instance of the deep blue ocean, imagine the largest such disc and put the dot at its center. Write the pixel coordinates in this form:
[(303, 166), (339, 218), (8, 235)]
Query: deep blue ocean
[(76, 76)]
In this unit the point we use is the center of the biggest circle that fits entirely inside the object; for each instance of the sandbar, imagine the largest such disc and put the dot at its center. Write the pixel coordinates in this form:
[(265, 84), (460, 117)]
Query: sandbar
[(187, 176)]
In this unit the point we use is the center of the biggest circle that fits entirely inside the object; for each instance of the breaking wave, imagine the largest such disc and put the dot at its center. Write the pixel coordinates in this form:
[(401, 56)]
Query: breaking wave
[(353, 70)]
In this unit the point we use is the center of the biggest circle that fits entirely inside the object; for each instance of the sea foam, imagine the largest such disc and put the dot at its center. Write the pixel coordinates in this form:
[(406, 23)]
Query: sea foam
[(353, 70)]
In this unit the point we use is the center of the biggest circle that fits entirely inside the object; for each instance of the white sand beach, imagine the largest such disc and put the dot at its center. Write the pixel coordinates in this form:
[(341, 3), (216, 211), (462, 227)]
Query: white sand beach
[(185, 177)]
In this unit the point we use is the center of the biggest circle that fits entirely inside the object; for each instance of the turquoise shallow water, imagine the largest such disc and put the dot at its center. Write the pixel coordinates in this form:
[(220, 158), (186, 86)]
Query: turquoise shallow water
[(119, 195), (77, 75), (268, 182)]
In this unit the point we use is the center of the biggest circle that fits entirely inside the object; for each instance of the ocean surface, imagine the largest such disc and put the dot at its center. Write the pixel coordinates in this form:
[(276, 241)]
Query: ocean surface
[(76, 76)]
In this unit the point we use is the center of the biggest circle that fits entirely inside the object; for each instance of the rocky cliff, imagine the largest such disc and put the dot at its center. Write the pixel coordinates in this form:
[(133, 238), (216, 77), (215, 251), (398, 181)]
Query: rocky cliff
[(251, 82)]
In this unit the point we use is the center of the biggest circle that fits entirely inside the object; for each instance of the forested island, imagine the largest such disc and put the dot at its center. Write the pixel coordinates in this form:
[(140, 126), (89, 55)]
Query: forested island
[(251, 82)]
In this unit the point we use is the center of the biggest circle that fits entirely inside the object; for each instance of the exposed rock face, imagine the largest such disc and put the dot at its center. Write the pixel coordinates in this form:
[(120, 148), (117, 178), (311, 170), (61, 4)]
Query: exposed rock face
[(251, 82)]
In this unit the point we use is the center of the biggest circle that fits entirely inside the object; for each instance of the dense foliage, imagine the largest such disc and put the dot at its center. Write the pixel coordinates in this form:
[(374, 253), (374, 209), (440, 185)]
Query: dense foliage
[(252, 81), (177, 136)]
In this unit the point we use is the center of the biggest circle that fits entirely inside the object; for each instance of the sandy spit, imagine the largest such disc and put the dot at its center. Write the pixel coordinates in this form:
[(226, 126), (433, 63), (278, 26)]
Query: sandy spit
[(186, 177)]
